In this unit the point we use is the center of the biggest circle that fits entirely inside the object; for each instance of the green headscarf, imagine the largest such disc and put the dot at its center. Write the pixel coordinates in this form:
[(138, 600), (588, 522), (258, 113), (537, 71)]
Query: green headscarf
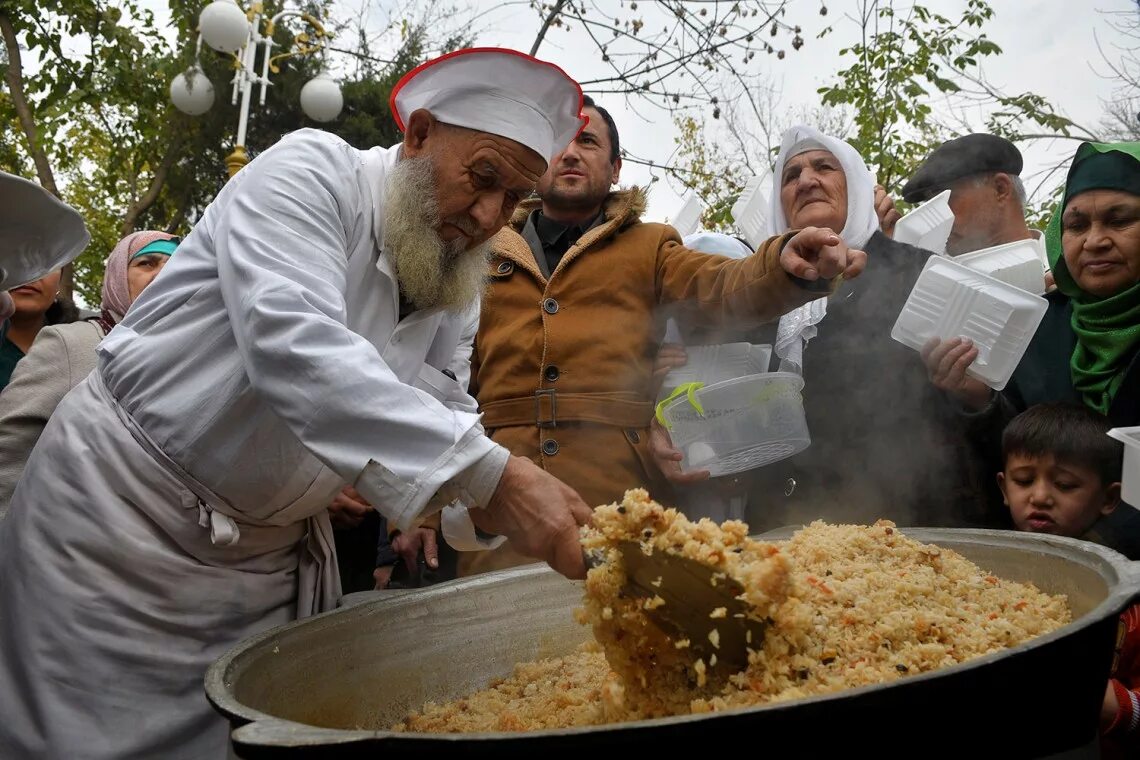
[(1107, 329)]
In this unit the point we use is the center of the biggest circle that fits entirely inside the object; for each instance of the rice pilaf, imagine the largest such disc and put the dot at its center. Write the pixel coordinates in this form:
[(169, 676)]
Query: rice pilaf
[(845, 605)]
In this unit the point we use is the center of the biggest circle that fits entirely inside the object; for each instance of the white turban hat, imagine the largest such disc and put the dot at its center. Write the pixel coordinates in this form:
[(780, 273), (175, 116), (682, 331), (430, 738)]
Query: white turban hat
[(499, 91)]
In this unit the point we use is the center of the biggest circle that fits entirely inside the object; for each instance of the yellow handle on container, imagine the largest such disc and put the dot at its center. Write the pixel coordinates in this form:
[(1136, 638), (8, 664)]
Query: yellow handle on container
[(688, 389)]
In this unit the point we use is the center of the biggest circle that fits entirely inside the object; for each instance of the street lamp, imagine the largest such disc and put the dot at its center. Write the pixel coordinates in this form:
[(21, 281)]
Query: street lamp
[(225, 27)]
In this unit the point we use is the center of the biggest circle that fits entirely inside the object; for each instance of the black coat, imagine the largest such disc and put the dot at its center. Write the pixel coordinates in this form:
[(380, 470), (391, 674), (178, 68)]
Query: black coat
[(885, 443)]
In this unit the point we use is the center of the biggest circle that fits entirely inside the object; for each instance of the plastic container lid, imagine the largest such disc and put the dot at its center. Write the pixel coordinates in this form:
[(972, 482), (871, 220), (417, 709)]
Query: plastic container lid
[(688, 219), (750, 212), (1017, 264), (717, 363), (951, 300), (928, 226), (740, 424), (1130, 489)]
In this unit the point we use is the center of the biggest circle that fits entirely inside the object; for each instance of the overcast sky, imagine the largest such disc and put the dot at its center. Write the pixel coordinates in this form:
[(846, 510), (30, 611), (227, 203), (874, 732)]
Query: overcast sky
[(1049, 48), (1048, 45)]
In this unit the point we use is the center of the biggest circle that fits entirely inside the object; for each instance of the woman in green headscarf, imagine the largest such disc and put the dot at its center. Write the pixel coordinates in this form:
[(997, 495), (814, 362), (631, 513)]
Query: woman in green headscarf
[(1094, 249)]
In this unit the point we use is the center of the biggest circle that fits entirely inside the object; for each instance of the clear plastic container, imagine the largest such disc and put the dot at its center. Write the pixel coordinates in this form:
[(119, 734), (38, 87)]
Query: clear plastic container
[(1130, 489), (928, 226), (750, 212), (1017, 264), (688, 219), (950, 300), (745, 423)]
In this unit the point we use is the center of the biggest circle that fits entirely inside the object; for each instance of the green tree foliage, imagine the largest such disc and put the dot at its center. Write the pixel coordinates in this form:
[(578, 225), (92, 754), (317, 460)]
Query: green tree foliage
[(120, 152), (907, 60)]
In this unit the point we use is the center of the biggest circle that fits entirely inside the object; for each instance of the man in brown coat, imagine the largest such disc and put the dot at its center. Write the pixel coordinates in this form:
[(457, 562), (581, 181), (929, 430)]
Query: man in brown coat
[(564, 354)]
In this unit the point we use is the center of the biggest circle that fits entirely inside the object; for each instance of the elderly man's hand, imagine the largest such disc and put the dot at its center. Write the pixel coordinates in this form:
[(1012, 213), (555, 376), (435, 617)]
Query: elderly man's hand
[(946, 364), (7, 306), (348, 508), (817, 252), (668, 458), (539, 514), (886, 211)]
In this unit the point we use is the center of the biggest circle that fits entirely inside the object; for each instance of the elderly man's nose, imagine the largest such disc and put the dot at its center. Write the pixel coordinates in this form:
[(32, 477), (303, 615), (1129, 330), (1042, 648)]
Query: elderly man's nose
[(487, 211)]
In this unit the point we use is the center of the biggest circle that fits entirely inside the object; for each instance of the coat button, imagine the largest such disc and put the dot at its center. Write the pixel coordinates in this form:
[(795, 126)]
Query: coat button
[(550, 306), (550, 447), (551, 374), (633, 436), (505, 267)]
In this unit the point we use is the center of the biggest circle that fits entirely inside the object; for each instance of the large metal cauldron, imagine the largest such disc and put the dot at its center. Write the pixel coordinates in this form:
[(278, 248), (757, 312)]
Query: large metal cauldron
[(327, 686)]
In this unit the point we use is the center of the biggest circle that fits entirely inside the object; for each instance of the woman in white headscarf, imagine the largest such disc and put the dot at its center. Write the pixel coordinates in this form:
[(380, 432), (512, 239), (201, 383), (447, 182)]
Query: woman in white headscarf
[(889, 448), (856, 220), (64, 354)]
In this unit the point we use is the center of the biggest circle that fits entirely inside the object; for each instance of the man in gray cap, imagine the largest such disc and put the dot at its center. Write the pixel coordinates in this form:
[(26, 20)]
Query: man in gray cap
[(986, 194)]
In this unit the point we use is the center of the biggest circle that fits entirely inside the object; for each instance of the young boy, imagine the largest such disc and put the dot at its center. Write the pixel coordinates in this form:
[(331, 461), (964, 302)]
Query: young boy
[(1061, 475)]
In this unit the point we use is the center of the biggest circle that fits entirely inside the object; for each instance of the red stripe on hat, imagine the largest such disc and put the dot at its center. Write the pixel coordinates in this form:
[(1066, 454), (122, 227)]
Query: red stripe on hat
[(582, 118)]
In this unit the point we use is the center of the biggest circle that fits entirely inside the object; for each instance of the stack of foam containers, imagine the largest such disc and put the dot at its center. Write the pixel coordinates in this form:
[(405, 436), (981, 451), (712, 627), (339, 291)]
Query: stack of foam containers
[(951, 300), (927, 226), (688, 219), (750, 212), (1017, 264)]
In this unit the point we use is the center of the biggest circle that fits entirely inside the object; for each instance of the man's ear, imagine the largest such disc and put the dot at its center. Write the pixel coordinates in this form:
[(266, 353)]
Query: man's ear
[(1111, 498), (1003, 185), (1001, 485), (420, 128), (616, 174)]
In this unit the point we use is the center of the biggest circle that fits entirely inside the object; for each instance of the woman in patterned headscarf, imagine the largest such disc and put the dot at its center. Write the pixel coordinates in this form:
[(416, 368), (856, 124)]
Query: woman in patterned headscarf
[(64, 354)]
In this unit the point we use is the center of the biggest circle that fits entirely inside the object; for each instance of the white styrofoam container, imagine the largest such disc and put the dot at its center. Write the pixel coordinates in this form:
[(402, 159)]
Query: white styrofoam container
[(927, 226), (951, 300), (1017, 264), (750, 212), (719, 362), (1130, 437), (688, 219)]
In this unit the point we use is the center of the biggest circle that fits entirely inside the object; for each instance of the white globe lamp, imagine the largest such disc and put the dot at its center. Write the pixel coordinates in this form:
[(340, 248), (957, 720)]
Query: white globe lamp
[(224, 26), (192, 92), (321, 99)]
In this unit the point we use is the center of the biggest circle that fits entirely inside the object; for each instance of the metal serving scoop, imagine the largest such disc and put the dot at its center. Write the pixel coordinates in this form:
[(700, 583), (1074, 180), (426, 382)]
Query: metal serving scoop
[(693, 593)]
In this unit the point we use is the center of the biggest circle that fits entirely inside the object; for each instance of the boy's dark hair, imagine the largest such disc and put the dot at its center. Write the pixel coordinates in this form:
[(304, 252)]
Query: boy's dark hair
[(615, 146), (1072, 433)]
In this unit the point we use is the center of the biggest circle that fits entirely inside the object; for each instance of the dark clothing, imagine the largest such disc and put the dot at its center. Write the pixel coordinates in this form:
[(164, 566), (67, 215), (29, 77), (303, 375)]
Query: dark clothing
[(553, 238), (884, 442), (356, 553), (1044, 376), (10, 354)]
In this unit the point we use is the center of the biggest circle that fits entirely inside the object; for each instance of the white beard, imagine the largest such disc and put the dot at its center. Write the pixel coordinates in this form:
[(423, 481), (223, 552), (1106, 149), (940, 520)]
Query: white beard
[(431, 272)]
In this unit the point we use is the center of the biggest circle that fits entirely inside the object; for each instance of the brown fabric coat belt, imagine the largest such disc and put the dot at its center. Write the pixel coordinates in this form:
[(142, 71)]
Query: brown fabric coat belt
[(547, 408)]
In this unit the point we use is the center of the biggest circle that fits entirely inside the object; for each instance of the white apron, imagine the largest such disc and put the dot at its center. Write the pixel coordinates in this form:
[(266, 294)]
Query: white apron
[(104, 657)]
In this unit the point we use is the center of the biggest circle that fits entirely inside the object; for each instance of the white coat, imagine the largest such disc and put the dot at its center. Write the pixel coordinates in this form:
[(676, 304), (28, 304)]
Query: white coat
[(176, 501)]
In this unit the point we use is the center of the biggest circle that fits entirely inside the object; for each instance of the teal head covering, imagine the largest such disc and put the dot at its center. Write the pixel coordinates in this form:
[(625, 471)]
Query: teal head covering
[(1107, 329)]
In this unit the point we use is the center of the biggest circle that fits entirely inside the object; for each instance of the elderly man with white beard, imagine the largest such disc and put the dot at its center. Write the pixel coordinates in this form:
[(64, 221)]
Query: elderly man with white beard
[(314, 333)]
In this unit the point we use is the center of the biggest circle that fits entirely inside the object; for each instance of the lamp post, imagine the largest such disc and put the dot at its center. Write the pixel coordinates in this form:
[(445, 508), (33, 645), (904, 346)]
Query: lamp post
[(226, 28)]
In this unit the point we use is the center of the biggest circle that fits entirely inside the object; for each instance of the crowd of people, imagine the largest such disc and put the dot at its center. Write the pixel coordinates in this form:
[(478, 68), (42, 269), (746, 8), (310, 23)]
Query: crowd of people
[(388, 367)]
